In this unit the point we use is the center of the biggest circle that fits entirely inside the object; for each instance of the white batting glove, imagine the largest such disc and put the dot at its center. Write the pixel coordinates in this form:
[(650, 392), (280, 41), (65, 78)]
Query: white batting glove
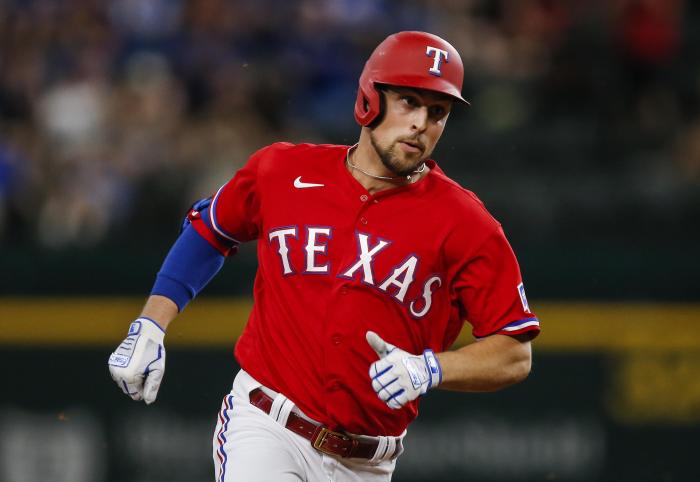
[(138, 363), (398, 376)]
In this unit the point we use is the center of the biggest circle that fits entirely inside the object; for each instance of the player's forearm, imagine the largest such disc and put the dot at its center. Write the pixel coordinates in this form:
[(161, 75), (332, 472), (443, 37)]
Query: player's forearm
[(160, 309), (191, 263), (486, 365)]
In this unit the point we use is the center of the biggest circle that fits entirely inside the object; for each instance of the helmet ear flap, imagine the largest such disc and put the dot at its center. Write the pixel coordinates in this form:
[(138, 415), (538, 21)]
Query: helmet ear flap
[(368, 103), (379, 116)]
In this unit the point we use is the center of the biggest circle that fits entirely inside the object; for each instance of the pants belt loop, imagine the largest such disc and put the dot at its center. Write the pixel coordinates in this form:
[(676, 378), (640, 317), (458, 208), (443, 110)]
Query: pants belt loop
[(391, 448), (384, 447), (285, 410), (277, 405)]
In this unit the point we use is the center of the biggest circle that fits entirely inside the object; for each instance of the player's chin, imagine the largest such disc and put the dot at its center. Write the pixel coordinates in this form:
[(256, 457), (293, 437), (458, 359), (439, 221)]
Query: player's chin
[(402, 168), (404, 163), (411, 162)]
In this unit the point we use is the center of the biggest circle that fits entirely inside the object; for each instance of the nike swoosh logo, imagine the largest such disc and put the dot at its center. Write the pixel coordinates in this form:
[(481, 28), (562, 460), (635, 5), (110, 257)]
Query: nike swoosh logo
[(303, 185)]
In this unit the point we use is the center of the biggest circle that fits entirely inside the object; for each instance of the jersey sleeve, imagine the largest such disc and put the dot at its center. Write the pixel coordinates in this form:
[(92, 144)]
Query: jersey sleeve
[(491, 291), (233, 217)]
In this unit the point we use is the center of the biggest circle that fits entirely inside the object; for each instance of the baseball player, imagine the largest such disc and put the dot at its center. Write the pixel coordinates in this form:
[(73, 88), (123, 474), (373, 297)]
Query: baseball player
[(370, 260)]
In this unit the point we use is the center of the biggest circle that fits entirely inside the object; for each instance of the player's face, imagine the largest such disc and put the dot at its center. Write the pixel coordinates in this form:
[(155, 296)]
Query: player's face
[(411, 127)]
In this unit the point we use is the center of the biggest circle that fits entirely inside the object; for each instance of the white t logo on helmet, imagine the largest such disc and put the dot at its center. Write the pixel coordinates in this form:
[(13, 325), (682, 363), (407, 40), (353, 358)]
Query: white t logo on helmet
[(437, 59)]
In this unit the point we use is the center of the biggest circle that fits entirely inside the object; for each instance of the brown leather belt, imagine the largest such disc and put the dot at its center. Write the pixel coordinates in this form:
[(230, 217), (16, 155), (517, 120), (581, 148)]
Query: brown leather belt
[(322, 438)]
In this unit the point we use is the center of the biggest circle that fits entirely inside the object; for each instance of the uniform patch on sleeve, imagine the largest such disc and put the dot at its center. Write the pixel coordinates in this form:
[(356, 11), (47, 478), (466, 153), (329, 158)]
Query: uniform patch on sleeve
[(523, 298)]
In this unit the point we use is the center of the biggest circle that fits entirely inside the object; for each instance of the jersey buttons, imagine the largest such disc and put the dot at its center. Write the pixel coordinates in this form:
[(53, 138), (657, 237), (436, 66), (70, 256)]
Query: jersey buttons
[(363, 220), (364, 197), (337, 339)]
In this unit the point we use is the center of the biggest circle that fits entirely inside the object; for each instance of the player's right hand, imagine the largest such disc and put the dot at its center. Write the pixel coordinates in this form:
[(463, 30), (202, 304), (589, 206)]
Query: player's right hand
[(138, 363)]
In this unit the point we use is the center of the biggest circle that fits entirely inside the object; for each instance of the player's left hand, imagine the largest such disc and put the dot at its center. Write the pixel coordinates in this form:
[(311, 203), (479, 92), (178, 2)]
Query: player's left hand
[(398, 376)]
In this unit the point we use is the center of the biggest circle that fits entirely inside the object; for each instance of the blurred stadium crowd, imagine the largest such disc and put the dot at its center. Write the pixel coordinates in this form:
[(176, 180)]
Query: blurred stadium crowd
[(585, 117)]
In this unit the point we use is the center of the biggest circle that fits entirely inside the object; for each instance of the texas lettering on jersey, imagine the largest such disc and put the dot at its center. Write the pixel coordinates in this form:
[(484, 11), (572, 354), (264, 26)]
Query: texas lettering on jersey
[(395, 283), (335, 261)]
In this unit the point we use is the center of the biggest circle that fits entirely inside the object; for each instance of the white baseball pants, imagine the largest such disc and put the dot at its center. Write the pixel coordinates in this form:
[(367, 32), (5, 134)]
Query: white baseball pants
[(252, 446)]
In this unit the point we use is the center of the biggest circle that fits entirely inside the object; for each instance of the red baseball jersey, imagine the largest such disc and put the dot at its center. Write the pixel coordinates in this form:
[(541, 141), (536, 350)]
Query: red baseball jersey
[(410, 263)]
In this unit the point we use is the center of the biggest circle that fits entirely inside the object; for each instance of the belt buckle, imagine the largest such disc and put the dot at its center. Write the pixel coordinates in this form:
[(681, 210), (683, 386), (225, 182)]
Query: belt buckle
[(321, 437)]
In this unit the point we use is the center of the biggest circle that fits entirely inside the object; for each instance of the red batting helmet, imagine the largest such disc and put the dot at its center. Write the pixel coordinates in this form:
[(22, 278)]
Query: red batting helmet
[(409, 59)]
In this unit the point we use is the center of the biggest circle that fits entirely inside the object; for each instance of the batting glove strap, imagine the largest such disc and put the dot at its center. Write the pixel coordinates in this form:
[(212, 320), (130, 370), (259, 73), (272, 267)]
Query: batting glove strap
[(434, 368)]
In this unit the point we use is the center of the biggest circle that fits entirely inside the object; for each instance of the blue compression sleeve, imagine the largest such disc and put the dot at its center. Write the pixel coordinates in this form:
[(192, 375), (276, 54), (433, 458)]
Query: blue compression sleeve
[(191, 263)]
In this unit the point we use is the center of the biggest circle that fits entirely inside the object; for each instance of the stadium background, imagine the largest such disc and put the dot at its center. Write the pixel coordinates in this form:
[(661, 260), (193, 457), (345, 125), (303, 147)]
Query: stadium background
[(583, 140)]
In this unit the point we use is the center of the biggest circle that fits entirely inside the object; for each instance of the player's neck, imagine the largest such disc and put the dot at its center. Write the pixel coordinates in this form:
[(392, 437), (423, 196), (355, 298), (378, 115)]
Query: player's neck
[(366, 167)]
